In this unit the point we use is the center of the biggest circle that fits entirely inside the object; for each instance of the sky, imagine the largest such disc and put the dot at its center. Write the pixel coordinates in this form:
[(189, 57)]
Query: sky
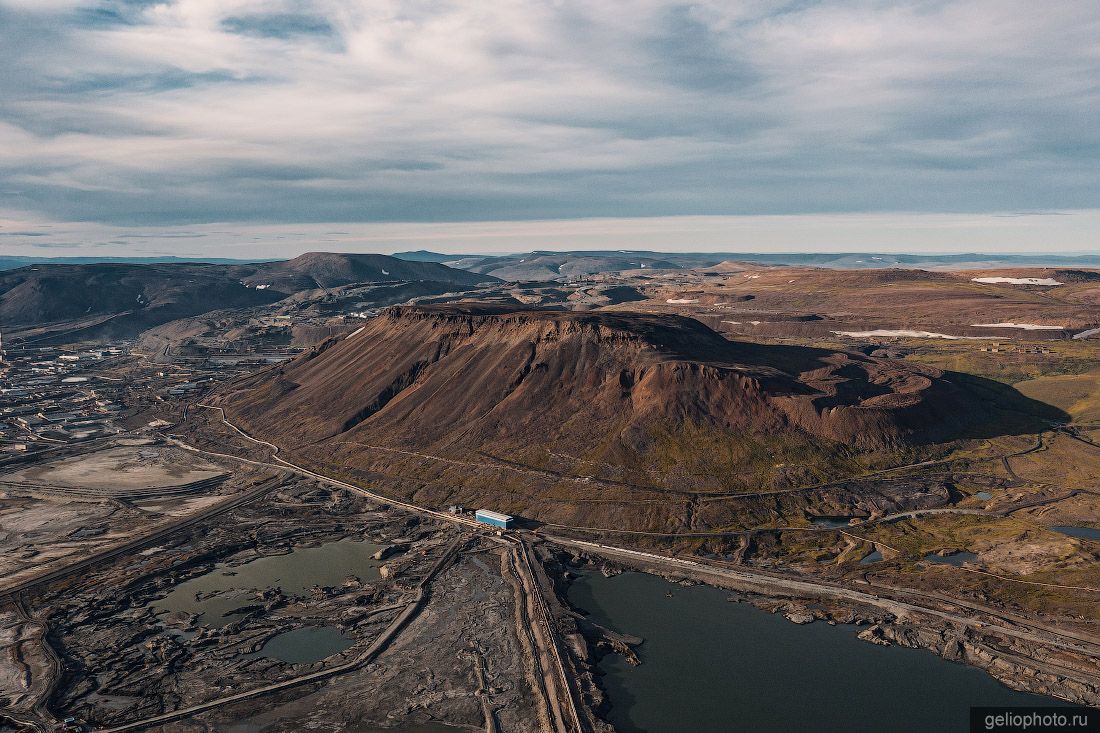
[(249, 128)]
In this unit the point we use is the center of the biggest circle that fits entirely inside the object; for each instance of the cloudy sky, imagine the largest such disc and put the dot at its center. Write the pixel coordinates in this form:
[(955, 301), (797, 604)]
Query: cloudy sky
[(256, 127)]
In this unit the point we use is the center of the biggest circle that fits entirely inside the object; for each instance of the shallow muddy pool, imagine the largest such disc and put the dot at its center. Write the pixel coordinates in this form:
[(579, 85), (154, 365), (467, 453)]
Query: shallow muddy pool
[(219, 594), (305, 645)]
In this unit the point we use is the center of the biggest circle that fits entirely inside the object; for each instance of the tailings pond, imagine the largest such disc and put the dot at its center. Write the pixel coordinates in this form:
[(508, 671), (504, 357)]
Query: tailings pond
[(711, 665), (217, 595)]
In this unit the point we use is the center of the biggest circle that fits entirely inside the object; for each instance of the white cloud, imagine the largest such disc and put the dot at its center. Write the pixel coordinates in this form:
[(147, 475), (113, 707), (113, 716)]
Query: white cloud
[(281, 110)]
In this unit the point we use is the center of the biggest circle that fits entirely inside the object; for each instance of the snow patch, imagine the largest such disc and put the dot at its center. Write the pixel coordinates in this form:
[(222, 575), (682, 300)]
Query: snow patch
[(263, 287), (354, 332), (1048, 281), (1024, 326), (883, 332), (682, 301), (1086, 334)]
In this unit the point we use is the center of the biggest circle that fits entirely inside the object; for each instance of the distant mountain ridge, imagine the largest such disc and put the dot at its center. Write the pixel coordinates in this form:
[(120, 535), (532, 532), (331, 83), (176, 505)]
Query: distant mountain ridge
[(122, 299), (563, 265), (423, 255), (13, 263), (543, 264)]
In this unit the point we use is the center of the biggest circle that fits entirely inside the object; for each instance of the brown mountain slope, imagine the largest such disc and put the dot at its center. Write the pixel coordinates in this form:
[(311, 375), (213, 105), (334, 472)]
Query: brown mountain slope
[(619, 389), (135, 296)]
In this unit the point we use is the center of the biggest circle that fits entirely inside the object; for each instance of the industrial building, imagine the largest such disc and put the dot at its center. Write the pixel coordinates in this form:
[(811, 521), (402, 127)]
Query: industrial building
[(494, 518)]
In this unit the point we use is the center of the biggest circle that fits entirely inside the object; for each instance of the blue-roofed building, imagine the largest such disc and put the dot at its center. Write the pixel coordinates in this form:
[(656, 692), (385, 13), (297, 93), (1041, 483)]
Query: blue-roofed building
[(496, 519)]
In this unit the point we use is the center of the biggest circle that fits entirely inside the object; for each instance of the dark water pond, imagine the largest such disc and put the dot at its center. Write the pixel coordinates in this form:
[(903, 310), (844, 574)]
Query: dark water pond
[(959, 558), (830, 522), (871, 558), (1085, 533), (218, 594), (712, 666), (305, 645)]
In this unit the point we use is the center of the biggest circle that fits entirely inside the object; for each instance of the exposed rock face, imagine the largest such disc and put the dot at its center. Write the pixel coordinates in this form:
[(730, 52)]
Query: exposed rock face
[(800, 617), (875, 635), (465, 377)]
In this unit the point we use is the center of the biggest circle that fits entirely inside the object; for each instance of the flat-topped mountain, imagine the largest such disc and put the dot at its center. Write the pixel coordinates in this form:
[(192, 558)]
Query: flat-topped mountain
[(616, 391)]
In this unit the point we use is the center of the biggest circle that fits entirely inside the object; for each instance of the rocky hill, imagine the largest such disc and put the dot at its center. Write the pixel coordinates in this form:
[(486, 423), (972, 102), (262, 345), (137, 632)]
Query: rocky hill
[(332, 269)]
